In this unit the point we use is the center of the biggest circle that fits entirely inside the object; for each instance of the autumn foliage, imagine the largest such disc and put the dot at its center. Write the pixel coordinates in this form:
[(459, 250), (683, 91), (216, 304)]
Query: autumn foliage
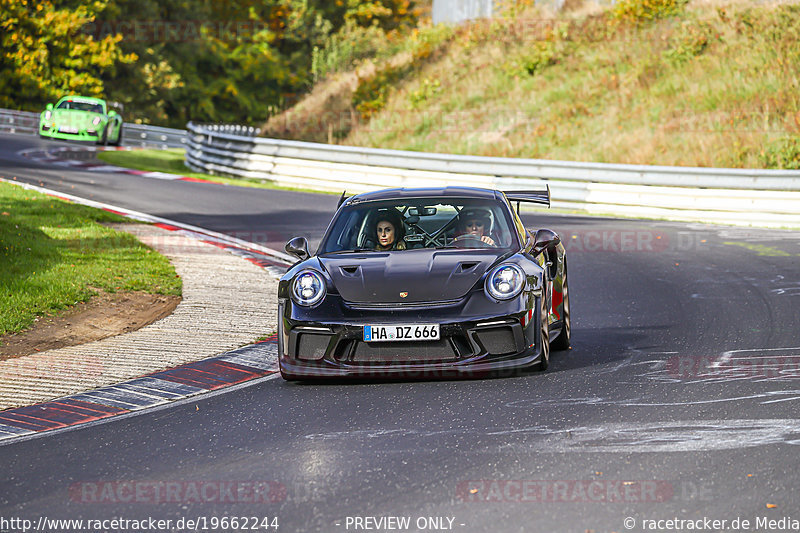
[(170, 61)]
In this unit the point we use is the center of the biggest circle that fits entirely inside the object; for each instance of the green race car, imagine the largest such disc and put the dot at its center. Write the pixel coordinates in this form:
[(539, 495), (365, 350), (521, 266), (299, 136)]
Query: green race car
[(81, 118)]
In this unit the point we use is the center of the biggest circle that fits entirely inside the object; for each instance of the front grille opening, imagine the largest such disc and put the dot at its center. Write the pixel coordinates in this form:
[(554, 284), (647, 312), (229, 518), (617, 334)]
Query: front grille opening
[(462, 346), (312, 346), (497, 341), (343, 348), (404, 352)]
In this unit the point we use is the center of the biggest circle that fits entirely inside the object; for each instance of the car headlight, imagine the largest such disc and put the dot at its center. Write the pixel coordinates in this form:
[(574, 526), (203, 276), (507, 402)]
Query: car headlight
[(505, 282), (47, 115), (308, 288), (96, 121)]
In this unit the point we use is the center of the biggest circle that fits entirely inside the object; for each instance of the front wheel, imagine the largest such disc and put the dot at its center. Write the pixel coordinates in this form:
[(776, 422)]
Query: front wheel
[(118, 140), (562, 342), (544, 335)]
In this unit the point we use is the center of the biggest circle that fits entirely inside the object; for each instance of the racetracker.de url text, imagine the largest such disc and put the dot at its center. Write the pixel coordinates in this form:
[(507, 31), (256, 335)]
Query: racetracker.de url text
[(759, 523), (149, 524)]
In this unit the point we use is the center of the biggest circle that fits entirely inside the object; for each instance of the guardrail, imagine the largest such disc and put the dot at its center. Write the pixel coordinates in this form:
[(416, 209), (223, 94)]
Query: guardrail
[(153, 136), (768, 198), (27, 123)]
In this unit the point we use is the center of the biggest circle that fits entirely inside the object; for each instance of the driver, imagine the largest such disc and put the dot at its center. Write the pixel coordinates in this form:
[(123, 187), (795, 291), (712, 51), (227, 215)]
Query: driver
[(389, 232), (476, 223)]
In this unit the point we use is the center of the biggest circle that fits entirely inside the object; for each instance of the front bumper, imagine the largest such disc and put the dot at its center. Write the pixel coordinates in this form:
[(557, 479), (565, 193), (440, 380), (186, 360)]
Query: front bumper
[(55, 132), (475, 341)]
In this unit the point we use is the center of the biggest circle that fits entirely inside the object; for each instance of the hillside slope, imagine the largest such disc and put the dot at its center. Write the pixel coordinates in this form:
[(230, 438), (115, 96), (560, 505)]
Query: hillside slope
[(645, 82)]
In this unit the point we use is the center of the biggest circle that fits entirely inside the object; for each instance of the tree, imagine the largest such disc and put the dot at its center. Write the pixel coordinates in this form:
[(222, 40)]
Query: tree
[(47, 52)]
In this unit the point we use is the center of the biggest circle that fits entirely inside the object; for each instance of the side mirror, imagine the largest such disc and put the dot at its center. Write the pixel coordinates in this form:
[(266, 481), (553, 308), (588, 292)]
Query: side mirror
[(49, 107), (112, 113), (298, 247), (544, 239)]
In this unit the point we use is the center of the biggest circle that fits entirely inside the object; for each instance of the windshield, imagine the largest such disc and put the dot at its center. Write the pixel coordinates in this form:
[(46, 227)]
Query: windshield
[(81, 106), (421, 223)]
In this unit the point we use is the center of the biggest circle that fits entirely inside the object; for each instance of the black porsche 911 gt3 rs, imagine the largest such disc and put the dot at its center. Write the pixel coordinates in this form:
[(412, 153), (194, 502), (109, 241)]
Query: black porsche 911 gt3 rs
[(414, 283)]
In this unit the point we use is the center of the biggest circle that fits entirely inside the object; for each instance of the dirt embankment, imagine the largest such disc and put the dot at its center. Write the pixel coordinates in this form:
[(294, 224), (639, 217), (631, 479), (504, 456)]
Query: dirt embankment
[(105, 315)]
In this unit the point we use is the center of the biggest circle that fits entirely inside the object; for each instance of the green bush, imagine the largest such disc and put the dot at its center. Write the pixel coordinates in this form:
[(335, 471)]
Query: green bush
[(691, 40), (370, 96), (346, 48), (372, 92), (543, 55), (352, 44), (783, 154), (427, 90), (642, 12)]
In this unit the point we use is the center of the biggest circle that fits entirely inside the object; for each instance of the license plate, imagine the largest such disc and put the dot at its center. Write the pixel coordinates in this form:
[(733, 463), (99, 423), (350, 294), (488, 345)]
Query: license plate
[(402, 332), (68, 129)]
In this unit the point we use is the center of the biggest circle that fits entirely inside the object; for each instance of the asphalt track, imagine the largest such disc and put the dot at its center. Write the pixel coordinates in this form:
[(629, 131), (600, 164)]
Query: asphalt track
[(678, 401)]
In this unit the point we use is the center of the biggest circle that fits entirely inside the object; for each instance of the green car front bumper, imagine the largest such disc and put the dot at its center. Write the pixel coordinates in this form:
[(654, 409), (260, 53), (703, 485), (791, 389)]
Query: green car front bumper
[(76, 134)]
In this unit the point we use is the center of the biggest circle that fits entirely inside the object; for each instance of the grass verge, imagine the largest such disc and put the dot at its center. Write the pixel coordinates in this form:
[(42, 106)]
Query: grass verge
[(657, 82), (171, 162), (54, 254)]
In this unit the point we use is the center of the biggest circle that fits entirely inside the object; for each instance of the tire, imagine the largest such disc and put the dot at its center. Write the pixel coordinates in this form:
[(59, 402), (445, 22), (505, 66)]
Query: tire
[(118, 140), (544, 335), (104, 140), (564, 339)]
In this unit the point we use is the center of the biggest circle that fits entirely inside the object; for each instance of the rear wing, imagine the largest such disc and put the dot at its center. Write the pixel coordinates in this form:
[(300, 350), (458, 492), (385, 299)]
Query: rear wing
[(541, 196), (116, 106)]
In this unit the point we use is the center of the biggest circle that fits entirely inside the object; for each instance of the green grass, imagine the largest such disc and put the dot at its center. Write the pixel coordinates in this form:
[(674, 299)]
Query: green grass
[(171, 162), (54, 254), (662, 83)]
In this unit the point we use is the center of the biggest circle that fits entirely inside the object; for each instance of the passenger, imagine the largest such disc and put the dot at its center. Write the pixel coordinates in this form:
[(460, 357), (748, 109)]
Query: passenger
[(389, 232), (476, 223)]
